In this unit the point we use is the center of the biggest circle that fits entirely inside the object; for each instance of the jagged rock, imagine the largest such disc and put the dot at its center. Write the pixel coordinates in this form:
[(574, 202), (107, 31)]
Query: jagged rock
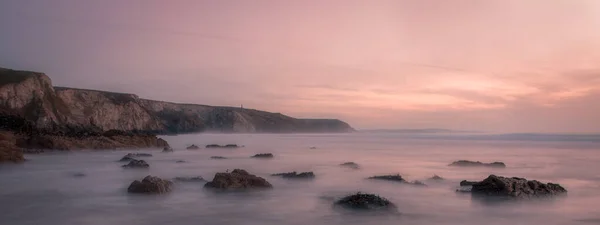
[(263, 155), (515, 188), (295, 175), (150, 185), (189, 179), (362, 201), (436, 178), (193, 147), (137, 164), (222, 146), (237, 179), (218, 157), (167, 149), (396, 178), (467, 183), (352, 165), (467, 163)]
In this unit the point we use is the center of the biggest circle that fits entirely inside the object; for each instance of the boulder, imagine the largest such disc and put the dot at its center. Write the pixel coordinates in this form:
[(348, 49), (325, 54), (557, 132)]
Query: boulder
[(467, 163), (218, 157), (467, 183), (362, 201), (295, 175), (150, 185), (189, 179), (167, 149), (515, 188), (193, 147), (263, 155), (137, 164), (222, 146), (352, 165), (237, 179)]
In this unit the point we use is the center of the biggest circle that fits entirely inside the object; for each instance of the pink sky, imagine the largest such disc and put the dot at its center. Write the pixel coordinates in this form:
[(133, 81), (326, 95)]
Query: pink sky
[(503, 65)]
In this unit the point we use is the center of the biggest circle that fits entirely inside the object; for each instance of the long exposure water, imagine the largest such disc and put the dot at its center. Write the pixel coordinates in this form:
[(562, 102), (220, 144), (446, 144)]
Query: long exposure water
[(47, 190)]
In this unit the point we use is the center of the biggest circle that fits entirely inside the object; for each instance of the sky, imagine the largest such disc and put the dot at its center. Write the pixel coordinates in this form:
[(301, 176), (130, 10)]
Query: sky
[(495, 65)]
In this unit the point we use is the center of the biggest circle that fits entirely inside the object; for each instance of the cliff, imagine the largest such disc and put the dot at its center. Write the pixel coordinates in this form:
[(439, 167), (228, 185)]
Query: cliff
[(29, 103)]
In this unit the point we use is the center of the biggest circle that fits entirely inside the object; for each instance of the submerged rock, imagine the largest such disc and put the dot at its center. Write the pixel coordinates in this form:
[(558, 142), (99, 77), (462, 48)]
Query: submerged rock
[(467, 163), (78, 174), (137, 164), (138, 155), (218, 157), (295, 175), (222, 146), (167, 149), (362, 201), (180, 161), (237, 179), (313, 148), (352, 165), (263, 155), (126, 159), (467, 183), (418, 183), (515, 188), (436, 178), (189, 179), (193, 147), (150, 185), (396, 178)]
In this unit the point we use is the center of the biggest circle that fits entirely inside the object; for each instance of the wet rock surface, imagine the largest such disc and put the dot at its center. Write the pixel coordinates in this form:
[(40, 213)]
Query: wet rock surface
[(363, 201), (467, 163), (150, 185), (295, 175), (237, 179), (263, 156), (137, 164), (515, 187)]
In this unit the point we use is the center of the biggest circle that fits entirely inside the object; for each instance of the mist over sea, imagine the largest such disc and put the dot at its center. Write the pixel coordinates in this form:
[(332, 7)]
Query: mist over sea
[(46, 190)]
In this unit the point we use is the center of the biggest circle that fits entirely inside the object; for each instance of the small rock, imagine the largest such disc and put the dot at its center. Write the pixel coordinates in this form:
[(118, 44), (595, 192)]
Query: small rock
[(516, 187), (313, 147), (294, 175), (396, 178), (193, 147), (436, 178), (467, 163), (362, 201), (352, 165), (218, 157), (464, 189), (139, 155), (167, 149), (150, 185), (263, 155), (126, 159), (467, 183), (418, 183), (237, 179), (180, 161), (78, 174), (137, 164), (222, 146), (189, 179)]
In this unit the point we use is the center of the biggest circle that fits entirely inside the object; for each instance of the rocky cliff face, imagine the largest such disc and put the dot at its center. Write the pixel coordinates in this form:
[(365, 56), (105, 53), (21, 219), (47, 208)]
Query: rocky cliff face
[(28, 101)]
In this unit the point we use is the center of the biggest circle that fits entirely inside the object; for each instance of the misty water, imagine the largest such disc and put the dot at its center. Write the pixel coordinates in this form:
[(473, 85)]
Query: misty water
[(47, 190)]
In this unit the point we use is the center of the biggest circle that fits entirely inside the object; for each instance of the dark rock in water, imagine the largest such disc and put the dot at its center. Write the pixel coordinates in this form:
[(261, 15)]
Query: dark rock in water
[(9, 152), (150, 185), (126, 159), (396, 178), (167, 149), (467, 163), (352, 165), (263, 155), (313, 147), (180, 161), (193, 147), (137, 164), (218, 157), (237, 179), (515, 188), (362, 201), (138, 155), (78, 174), (222, 146), (418, 183), (189, 179), (464, 189), (436, 177), (295, 175), (467, 183)]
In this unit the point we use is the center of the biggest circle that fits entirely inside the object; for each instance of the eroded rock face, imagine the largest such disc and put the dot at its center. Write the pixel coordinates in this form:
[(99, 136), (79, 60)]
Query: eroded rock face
[(150, 185), (9, 152), (352, 165), (263, 155), (467, 163), (237, 179), (515, 188), (295, 175), (137, 164), (362, 201), (56, 142)]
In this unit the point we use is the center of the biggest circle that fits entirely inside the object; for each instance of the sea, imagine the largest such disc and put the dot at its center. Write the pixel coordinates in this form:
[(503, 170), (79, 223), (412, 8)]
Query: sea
[(90, 187)]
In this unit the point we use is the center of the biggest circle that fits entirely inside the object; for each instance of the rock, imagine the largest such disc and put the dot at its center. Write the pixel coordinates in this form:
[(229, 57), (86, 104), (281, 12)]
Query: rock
[(294, 175), (313, 148), (362, 201), (436, 178), (9, 152), (515, 188), (136, 164), (464, 189), (218, 157), (167, 149), (352, 165), (396, 178), (222, 146), (189, 179), (193, 147), (263, 155), (78, 174), (139, 155), (237, 179), (150, 185), (180, 161), (126, 159), (418, 183), (467, 163), (467, 183)]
